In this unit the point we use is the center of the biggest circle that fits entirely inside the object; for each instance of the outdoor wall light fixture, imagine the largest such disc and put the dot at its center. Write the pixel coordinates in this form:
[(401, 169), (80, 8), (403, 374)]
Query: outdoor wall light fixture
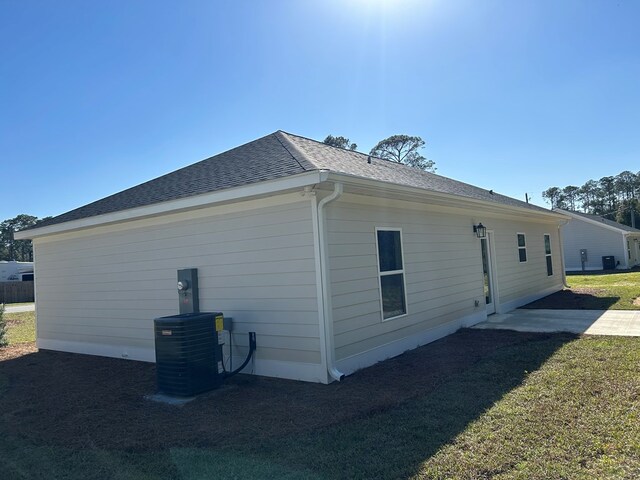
[(480, 230)]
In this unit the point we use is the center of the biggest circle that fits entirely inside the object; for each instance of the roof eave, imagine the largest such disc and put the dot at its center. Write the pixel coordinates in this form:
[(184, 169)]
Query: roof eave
[(453, 199), (596, 223), (199, 201)]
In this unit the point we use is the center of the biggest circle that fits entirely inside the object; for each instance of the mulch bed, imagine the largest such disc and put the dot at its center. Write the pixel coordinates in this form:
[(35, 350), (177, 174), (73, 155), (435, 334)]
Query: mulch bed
[(73, 400)]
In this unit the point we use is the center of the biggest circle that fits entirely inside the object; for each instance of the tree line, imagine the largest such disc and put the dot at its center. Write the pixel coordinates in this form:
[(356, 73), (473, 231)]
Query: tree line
[(19, 250), (403, 149), (615, 197)]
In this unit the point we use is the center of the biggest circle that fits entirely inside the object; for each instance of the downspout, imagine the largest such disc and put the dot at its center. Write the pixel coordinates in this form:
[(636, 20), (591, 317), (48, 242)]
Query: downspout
[(326, 288), (564, 270)]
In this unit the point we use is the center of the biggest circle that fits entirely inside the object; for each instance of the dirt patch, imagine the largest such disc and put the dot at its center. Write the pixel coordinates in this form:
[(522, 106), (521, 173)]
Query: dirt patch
[(636, 301), (16, 351), (79, 400)]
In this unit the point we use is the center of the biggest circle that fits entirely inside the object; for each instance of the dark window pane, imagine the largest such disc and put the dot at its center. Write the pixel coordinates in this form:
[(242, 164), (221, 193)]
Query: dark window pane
[(393, 295), (523, 254), (389, 250), (549, 266), (547, 245), (521, 241)]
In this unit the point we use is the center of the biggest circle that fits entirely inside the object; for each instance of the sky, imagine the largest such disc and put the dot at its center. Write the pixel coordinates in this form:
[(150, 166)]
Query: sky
[(99, 96)]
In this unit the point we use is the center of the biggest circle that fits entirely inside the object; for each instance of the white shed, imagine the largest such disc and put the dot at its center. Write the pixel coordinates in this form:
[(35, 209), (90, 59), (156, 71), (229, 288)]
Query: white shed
[(336, 260), (588, 238)]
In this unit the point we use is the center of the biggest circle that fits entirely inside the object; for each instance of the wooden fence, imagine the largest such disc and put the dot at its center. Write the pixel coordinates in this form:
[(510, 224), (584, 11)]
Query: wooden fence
[(16, 292)]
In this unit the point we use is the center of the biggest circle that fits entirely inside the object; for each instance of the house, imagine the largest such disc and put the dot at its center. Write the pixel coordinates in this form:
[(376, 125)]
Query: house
[(337, 260), (588, 238)]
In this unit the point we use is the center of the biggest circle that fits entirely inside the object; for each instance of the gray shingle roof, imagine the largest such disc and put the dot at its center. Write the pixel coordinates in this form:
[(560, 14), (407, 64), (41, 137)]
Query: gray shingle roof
[(273, 156), (606, 221)]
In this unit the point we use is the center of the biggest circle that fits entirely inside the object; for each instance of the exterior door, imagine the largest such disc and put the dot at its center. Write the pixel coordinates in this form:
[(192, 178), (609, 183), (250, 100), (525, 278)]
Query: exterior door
[(485, 245)]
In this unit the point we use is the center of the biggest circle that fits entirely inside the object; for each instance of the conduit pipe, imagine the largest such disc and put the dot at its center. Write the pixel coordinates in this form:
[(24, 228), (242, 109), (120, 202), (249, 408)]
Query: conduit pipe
[(326, 288)]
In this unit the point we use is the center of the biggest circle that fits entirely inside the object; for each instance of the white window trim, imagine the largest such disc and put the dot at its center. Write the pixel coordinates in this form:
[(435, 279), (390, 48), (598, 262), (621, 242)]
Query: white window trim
[(522, 248), (392, 272), (550, 254)]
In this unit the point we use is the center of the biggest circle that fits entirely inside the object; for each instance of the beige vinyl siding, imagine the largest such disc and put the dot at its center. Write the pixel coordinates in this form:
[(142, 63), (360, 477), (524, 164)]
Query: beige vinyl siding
[(442, 267), (103, 287), (518, 280), (598, 240)]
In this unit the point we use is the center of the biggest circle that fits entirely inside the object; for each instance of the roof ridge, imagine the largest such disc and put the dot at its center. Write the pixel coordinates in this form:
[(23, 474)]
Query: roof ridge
[(347, 150), (289, 145), (391, 163)]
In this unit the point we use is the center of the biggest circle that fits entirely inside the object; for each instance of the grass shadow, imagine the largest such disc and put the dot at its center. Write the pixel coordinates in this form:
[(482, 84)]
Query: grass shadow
[(571, 300), (381, 422), (395, 443)]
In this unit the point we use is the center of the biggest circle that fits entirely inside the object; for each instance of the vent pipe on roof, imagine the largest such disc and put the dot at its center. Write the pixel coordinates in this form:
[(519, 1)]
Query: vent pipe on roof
[(368, 158)]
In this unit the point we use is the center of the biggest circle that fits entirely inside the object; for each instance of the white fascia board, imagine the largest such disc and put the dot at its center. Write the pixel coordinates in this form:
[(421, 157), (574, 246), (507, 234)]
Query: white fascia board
[(595, 222), (453, 200), (172, 206)]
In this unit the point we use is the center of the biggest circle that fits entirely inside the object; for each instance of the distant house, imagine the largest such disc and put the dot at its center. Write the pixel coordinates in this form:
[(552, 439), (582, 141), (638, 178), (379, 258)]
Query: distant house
[(588, 238), (336, 260)]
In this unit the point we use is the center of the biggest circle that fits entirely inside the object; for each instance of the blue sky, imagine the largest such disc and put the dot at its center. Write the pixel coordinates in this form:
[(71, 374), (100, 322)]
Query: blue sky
[(99, 96)]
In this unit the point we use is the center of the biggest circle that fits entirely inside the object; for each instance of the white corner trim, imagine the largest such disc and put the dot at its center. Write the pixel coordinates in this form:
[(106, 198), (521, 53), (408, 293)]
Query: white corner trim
[(625, 252), (392, 349), (198, 201)]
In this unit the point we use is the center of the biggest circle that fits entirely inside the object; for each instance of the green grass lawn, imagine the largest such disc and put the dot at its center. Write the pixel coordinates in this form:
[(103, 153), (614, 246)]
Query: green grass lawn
[(21, 327), (618, 289), (550, 406)]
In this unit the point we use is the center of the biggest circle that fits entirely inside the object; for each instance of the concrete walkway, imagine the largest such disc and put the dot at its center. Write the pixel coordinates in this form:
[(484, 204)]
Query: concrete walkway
[(592, 322), (19, 308)]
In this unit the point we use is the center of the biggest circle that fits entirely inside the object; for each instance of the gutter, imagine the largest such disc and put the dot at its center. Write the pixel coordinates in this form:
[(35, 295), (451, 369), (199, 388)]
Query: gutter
[(326, 325)]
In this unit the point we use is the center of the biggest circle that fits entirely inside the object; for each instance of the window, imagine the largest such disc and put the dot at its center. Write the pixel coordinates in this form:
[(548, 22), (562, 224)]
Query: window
[(391, 272), (522, 247), (547, 253)]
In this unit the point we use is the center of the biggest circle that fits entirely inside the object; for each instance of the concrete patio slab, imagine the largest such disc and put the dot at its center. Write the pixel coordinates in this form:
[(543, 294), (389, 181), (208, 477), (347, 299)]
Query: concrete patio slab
[(591, 322)]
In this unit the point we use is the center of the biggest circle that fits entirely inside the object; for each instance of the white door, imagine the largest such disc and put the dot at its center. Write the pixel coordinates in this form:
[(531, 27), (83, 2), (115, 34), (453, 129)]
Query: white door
[(485, 245)]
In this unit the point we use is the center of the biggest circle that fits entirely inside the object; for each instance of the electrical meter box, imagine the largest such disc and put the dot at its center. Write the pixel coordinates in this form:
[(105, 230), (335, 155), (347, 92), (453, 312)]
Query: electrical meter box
[(583, 255), (188, 353), (188, 290)]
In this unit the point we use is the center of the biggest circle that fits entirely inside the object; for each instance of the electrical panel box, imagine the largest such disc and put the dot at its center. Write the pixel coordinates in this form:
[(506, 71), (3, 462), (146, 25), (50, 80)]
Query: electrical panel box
[(188, 290), (188, 353)]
